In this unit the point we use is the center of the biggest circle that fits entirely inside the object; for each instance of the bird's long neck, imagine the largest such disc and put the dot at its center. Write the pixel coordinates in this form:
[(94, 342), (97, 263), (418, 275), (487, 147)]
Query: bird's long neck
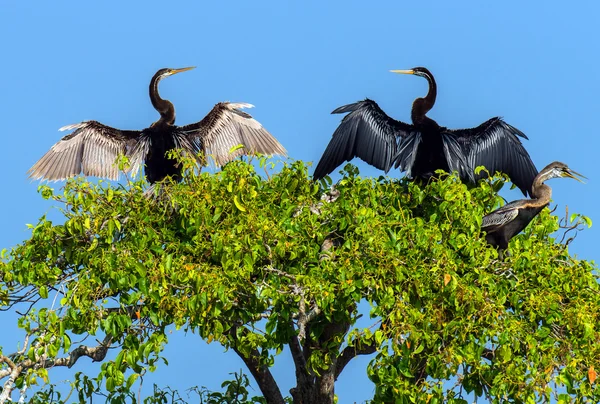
[(541, 194), (423, 105), (164, 107)]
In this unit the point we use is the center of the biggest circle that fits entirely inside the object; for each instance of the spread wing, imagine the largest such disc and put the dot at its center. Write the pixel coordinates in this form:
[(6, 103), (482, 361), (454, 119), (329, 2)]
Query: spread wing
[(367, 133), (407, 152), (91, 149), (495, 145), (225, 127), (457, 161), (501, 216)]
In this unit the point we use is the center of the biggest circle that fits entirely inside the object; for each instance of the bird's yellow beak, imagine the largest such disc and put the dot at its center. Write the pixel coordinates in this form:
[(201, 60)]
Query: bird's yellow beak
[(574, 174), (183, 69), (403, 71)]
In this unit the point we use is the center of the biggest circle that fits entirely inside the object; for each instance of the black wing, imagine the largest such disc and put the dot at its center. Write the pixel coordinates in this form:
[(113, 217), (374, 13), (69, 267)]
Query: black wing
[(501, 216), (226, 127), (367, 133), (495, 145), (91, 149), (407, 152), (457, 161)]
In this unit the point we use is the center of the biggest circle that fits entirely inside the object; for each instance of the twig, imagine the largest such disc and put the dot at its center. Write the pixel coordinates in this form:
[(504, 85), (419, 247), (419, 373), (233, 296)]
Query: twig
[(16, 368)]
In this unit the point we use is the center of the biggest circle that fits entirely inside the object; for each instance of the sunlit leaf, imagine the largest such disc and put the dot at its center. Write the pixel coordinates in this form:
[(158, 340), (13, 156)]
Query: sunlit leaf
[(237, 203)]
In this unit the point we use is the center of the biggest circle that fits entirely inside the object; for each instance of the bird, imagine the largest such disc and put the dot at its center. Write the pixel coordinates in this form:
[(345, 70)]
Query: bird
[(92, 147), (422, 148), (504, 223)]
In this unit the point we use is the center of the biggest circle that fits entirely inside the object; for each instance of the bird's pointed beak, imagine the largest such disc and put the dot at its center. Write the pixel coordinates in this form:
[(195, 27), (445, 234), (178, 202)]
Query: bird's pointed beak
[(403, 71), (574, 174), (183, 69)]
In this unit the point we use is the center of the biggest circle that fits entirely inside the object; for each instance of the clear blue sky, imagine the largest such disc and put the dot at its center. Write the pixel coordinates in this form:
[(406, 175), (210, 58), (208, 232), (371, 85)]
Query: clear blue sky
[(534, 63)]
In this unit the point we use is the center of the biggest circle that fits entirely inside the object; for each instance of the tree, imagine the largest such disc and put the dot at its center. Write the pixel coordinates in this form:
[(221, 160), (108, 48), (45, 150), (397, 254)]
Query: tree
[(261, 265)]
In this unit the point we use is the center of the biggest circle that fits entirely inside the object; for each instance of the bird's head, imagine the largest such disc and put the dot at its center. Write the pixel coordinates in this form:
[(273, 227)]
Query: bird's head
[(421, 105), (417, 71), (162, 73), (558, 170), (164, 107)]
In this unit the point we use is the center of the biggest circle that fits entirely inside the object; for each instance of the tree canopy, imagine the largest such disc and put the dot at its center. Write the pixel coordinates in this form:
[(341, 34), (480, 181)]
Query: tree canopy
[(260, 264)]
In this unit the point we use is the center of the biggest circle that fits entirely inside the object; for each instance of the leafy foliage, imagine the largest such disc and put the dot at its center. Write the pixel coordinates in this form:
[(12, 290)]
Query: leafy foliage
[(236, 392), (259, 264)]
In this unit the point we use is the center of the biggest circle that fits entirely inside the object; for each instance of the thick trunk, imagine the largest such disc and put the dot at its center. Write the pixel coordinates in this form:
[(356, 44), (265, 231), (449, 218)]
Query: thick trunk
[(311, 387), (318, 390), (324, 387)]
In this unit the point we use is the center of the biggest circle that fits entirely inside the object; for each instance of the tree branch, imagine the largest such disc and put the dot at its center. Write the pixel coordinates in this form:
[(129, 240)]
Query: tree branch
[(304, 318), (267, 384), (349, 353), (279, 272), (488, 354), (302, 376), (16, 368), (14, 371)]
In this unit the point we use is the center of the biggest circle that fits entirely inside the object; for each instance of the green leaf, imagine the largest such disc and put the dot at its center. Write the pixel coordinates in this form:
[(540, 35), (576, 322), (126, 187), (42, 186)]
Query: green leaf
[(93, 246), (110, 384), (238, 204), (131, 380), (236, 148), (66, 342)]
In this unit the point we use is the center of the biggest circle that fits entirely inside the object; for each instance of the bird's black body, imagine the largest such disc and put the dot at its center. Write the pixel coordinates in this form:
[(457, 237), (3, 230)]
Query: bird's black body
[(506, 222), (93, 147), (424, 147), (499, 236), (157, 164), (430, 153)]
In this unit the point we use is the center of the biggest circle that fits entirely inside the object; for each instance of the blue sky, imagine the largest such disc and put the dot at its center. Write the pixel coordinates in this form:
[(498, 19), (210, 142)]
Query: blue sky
[(533, 63)]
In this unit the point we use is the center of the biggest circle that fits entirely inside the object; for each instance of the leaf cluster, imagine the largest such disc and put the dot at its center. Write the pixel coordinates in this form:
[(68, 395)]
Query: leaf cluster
[(253, 262)]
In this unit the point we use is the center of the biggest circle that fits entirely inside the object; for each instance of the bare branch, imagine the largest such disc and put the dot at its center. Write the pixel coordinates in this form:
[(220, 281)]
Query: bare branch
[(14, 371), (16, 368), (564, 223), (23, 393), (303, 318), (280, 273)]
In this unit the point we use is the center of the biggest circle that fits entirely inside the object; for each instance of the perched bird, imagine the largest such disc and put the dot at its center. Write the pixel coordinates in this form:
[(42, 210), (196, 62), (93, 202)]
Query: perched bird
[(504, 223), (423, 147), (92, 147)]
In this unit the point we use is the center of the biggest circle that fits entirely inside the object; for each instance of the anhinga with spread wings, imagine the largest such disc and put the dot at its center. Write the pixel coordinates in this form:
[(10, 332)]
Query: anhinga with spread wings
[(504, 223), (92, 147), (423, 147)]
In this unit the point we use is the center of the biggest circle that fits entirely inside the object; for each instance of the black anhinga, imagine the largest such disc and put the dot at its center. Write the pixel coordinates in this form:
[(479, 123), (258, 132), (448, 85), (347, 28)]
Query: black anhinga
[(504, 223), (423, 147), (93, 147)]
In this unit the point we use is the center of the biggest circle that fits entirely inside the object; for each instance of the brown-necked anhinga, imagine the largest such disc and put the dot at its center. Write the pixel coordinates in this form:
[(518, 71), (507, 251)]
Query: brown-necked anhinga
[(423, 147), (92, 147), (504, 223)]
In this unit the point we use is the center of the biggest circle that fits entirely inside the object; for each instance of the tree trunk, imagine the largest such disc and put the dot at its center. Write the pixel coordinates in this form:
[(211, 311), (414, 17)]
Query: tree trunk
[(319, 390)]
